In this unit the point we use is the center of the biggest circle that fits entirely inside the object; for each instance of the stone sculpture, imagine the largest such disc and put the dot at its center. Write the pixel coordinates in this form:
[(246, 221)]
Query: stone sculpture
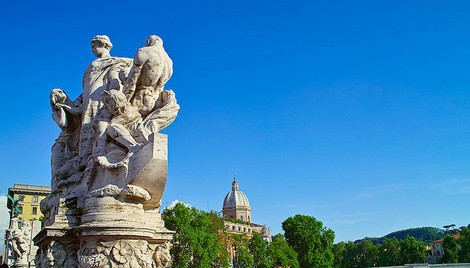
[(150, 71), (109, 164), (19, 239)]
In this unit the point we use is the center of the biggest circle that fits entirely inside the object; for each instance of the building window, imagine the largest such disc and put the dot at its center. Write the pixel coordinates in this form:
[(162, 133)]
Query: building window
[(239, 229), (233, 228), (35, 211), (35, 198), (241, 217)]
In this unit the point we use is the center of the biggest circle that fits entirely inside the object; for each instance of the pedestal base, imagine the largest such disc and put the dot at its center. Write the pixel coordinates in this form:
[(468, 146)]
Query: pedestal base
[(110, 217), (111, 243)]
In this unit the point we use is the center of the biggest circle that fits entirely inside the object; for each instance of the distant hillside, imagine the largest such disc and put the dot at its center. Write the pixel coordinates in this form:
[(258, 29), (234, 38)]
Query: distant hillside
[(426, 234)]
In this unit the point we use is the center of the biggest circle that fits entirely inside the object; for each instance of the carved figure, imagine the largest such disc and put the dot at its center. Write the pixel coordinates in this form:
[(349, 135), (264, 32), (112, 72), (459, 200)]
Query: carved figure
[(162, 256), (102, 74), (67, 115), (86, 126), (19, 234), (124, 126), (151, 69)]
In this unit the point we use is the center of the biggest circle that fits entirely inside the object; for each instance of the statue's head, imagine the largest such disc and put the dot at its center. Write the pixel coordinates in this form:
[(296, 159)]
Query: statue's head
[(57, 96), (153, 40), (115, 101), (101, 45)]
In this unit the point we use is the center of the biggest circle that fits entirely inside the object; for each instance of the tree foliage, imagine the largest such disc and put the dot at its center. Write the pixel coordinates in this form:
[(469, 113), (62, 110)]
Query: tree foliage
[(389, 252), (259, 250), (243, 257), (312, 242), (281, 254), (361, 254), (426, 234), (367, 254), (197, 241), (451, 250), (201, 240), (412, 250), (464, 242), (339, 250)]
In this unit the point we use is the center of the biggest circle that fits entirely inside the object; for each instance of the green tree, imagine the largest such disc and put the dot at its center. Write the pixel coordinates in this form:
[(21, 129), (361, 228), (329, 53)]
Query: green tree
[(259, 250), (389, 254), (243, 258), (359, 254), (338, 250), (351, 255), (196, 242), (451, 250), (412, 250), (367, 254), (312, 242), (281, 253), (426, 234), (464, 242)]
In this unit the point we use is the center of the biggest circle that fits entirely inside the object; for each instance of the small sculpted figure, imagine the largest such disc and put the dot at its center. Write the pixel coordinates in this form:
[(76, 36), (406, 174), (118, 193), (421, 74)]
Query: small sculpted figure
[(162, 256), (151, 69), (67, 115), (124, 126), (20, 233)]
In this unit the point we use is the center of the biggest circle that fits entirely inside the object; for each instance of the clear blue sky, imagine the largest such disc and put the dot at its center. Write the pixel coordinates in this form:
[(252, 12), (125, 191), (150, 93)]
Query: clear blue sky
[(354, 112)]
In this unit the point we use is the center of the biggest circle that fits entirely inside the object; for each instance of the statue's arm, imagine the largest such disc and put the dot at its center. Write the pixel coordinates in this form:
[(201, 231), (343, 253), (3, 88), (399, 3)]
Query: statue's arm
[(59, 116), (75, 107), (75, 110), (131, 82)]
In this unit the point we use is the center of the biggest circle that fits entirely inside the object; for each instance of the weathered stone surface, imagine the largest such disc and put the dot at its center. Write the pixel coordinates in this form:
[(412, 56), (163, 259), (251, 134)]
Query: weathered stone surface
[(110, 164)]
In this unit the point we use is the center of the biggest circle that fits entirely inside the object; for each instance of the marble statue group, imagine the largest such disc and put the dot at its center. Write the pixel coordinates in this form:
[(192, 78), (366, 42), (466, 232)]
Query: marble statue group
[(109, 163)]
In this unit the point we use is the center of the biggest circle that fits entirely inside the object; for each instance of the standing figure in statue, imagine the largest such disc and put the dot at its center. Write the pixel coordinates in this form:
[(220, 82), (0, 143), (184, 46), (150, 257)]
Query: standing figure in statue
[(151, 69), (102, 74)]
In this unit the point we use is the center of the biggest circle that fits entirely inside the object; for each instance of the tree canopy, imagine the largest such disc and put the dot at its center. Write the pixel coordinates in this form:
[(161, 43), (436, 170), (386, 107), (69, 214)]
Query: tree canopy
[(259, 249), (391, 253), (201, 240), (281, 254), (426, 234), (312, 242), (197, 241)]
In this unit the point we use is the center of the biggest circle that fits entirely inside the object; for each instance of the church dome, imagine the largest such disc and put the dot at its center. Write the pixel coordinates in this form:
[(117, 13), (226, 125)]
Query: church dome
[(236, 198)]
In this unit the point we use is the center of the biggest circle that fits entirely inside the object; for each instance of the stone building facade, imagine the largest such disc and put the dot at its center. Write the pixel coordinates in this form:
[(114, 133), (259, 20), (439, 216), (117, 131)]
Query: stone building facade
[(30, 197)]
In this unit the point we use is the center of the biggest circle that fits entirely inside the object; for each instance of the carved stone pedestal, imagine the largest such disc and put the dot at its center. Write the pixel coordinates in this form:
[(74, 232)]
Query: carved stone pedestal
[(115, 221)]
